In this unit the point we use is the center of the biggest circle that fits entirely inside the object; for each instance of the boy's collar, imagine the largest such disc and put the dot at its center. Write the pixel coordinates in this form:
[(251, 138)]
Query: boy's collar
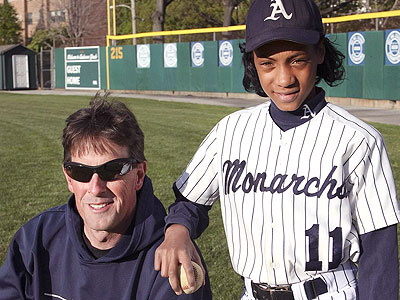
[(308, 110)]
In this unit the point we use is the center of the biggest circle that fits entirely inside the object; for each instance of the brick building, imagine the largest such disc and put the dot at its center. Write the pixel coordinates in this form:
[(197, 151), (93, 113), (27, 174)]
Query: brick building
[(86, 19)]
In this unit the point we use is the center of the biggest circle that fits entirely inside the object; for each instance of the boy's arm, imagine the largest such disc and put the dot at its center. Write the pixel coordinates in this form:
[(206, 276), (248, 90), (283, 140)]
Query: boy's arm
[(378, 273), (192, 215)]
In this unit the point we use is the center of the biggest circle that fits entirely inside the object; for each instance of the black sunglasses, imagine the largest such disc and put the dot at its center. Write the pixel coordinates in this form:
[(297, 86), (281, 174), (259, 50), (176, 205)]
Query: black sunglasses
[(108, 171)]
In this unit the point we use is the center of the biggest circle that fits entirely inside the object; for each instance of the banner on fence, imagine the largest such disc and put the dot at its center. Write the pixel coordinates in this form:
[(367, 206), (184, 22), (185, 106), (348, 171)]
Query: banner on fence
[(356, 48), (82, 68), (392, 47)]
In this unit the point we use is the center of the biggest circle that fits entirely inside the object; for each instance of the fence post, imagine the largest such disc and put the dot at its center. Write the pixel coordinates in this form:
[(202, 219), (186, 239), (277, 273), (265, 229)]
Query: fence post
[(52, 68), (41, 67)]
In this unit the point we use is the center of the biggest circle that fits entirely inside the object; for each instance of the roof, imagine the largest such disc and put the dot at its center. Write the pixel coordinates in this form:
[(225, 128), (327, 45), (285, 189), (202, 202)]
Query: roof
[(6, 48)]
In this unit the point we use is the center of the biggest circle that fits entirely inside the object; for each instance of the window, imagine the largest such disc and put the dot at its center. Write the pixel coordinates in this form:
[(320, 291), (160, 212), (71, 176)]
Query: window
[(29, 18), (57, 15)]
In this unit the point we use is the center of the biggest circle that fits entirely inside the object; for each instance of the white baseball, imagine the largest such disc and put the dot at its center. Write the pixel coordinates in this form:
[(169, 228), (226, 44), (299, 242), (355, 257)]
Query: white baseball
[(198, 276)]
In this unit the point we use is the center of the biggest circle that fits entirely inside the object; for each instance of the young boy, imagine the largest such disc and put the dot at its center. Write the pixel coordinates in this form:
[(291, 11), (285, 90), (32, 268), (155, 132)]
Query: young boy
[(307, 193)]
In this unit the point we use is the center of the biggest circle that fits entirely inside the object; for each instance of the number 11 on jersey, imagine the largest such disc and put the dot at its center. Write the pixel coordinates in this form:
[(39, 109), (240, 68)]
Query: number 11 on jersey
[(335, 245)]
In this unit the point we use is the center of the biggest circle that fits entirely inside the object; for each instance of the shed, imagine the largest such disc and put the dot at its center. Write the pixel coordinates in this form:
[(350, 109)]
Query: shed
[(18, 68)]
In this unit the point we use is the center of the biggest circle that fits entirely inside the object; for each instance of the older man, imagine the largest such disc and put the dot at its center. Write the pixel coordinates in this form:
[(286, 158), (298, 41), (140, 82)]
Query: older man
[(101, 244)]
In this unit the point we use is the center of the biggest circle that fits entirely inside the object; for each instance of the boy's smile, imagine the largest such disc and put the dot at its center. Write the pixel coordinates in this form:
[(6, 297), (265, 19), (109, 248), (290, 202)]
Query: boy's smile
[(287, 71)]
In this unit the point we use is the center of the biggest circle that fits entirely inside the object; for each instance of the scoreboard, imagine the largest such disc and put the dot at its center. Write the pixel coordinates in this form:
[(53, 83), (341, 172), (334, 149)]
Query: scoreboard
[(82, 68)]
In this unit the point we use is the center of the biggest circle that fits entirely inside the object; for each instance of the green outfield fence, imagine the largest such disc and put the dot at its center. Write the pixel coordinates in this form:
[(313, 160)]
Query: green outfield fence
[(374, 78), (372, 63)]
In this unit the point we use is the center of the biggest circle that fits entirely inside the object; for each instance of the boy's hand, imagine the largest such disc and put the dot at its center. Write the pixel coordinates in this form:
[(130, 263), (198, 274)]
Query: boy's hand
[(177, 249)]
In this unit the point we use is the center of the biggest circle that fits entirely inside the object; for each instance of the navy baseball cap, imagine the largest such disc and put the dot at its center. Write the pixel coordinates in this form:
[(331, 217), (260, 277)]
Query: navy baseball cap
[(290, 20)]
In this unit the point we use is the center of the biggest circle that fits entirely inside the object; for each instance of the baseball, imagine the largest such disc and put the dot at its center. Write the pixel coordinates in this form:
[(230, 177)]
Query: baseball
[(198, 275)]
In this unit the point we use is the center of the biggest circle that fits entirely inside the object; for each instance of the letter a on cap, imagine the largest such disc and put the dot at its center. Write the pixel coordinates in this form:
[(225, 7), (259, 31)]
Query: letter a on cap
[(278, 8)]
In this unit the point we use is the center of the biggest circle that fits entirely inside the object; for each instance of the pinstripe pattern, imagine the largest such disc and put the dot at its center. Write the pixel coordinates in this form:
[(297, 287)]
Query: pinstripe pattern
[(294, 200)]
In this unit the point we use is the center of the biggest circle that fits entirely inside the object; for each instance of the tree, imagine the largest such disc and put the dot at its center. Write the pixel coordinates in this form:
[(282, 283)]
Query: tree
[(387, 5), (182, 14), (159, 18), (190, 14), (198, 14), (124, 18), (78, 21), (144, 11), (234, 5), (162, 15), (335, 8), (229, 7), (47, 38), (42, 39), (10, 28), (330, 8)]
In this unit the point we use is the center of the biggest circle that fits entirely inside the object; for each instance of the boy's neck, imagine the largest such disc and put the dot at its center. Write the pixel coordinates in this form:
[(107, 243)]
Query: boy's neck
[(309, 109)]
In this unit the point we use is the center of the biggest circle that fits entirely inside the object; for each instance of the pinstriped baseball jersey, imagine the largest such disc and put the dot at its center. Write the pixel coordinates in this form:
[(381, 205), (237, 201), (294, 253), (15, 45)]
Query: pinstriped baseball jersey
[(293, 202)]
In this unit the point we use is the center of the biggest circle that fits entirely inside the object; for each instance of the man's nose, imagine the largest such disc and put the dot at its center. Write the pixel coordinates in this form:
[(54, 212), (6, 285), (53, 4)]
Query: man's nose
[(97, 186)]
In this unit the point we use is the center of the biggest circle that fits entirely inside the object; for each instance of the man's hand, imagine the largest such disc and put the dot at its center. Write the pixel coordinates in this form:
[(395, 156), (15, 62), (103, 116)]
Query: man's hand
[(177, 249)]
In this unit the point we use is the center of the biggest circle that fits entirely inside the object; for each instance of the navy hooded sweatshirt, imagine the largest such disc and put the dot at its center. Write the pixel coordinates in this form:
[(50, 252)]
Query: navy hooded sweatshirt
[(48, 259)]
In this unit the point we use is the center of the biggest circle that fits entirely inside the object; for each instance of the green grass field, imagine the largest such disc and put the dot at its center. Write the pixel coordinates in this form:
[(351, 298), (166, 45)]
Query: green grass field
[(31, 178)]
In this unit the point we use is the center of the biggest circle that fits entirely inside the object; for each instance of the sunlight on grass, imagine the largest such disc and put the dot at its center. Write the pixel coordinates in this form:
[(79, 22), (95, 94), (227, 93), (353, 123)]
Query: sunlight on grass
[(31, 179)]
